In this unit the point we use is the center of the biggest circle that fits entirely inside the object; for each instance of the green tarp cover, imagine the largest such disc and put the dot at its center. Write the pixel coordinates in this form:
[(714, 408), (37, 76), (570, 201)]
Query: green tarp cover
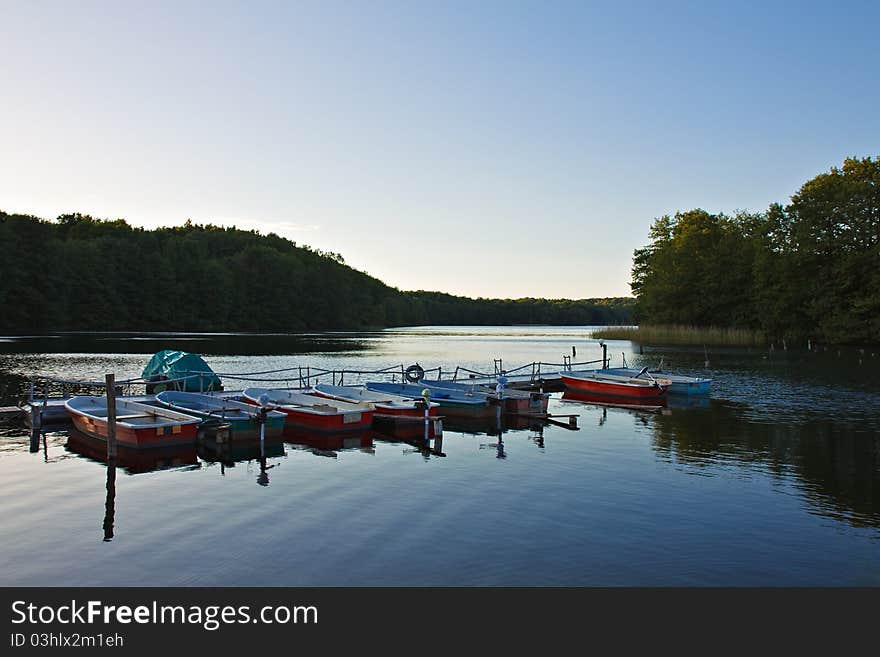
[(178, 364)]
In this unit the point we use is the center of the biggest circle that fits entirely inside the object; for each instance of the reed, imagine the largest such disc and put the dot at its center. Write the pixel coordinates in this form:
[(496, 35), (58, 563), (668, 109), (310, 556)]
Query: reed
[(665, 334)]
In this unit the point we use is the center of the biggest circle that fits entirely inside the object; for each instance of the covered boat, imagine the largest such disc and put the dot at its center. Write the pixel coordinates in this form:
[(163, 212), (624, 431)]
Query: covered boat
[(610, 385), (312, 412), (243, 419), (137, 425), (173, 365), (385, 404)]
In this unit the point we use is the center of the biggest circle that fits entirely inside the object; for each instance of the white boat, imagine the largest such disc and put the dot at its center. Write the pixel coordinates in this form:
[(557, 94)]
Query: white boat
[(383, 403)]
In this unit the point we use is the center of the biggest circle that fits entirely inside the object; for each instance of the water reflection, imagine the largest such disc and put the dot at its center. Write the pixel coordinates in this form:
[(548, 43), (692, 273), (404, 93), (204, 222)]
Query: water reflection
[(836, 466), (133, 461), (427, 444), (110, 503), (329, 443), (245, 344), (616, 401), (229, 452)]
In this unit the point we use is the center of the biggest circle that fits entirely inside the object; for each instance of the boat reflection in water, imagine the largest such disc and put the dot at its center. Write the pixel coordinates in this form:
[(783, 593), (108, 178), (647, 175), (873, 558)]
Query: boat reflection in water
[(499, 425), (428, 443), (652, 404), (327, 443), (493, 425), (229, 452), (132, 461)]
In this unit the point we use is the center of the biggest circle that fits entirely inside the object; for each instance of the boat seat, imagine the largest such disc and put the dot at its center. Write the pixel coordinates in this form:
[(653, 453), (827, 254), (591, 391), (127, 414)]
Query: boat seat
[(133, 415)]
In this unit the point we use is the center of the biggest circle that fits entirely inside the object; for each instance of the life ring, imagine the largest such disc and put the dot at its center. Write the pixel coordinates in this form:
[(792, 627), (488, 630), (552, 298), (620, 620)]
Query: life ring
[(414, 373)]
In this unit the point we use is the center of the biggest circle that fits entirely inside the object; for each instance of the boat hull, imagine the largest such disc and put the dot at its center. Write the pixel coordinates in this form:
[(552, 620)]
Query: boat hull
[(146, 437), (298, 420), (613, 389), (533, 403)]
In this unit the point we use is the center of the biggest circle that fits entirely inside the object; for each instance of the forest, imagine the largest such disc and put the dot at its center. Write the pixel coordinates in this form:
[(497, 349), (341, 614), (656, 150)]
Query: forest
[(807, 270), (79, 273)]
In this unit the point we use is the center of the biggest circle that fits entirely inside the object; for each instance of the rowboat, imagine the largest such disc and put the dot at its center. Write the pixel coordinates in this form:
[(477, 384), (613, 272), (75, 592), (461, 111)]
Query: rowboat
[(137, 425), (678, 384), (515, 401), (447, 399), (310, 412), (614, 386), (243, 419), (384, 404)]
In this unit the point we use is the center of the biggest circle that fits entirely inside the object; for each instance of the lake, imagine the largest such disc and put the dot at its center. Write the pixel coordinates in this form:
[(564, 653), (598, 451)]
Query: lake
[(775, 480)]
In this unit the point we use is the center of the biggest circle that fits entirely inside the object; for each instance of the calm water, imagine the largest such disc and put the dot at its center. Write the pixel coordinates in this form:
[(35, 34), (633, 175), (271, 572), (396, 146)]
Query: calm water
[(775, 481)]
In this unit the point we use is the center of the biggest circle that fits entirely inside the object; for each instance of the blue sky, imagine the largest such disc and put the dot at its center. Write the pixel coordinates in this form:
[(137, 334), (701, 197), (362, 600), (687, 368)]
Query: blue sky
[(502, 149)]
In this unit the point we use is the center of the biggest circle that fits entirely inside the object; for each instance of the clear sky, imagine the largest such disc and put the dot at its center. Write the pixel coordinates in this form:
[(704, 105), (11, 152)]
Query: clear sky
[(501, 149)]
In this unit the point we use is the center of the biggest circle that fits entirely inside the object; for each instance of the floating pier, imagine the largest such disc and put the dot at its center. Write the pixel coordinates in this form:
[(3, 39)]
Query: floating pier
[(47, 396)]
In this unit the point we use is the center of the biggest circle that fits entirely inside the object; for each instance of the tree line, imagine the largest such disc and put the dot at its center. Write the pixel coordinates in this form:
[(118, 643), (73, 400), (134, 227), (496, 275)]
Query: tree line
[(79, 273), (806, 270)]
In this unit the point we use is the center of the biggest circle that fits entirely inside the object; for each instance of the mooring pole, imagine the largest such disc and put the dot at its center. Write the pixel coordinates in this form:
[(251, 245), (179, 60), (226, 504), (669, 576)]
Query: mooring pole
[(110, 383), (426, 395), (604, 355)]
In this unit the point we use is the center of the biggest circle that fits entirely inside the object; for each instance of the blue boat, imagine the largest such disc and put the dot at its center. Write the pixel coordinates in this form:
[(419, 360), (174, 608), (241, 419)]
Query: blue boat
[(243, 419), (678, 384), (516, 401), (447, 398)]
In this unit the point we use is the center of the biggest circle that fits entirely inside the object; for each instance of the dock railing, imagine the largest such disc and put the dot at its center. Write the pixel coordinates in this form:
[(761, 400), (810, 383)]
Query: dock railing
[(535, 371), (43, 389)]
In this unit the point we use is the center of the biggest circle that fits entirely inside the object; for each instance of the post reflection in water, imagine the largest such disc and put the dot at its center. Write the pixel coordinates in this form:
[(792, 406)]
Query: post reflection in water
[(230, 452), (35, 441), (110, 504), (132, 461)]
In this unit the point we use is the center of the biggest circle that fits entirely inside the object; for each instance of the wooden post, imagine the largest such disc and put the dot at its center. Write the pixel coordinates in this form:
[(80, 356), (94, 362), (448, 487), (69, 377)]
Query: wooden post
[(604, 356), (110, 383), (426, 396)]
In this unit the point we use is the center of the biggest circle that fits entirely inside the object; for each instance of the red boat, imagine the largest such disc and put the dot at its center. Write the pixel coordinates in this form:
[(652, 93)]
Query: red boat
[(137, 425), (310, 412), (608, 385)]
